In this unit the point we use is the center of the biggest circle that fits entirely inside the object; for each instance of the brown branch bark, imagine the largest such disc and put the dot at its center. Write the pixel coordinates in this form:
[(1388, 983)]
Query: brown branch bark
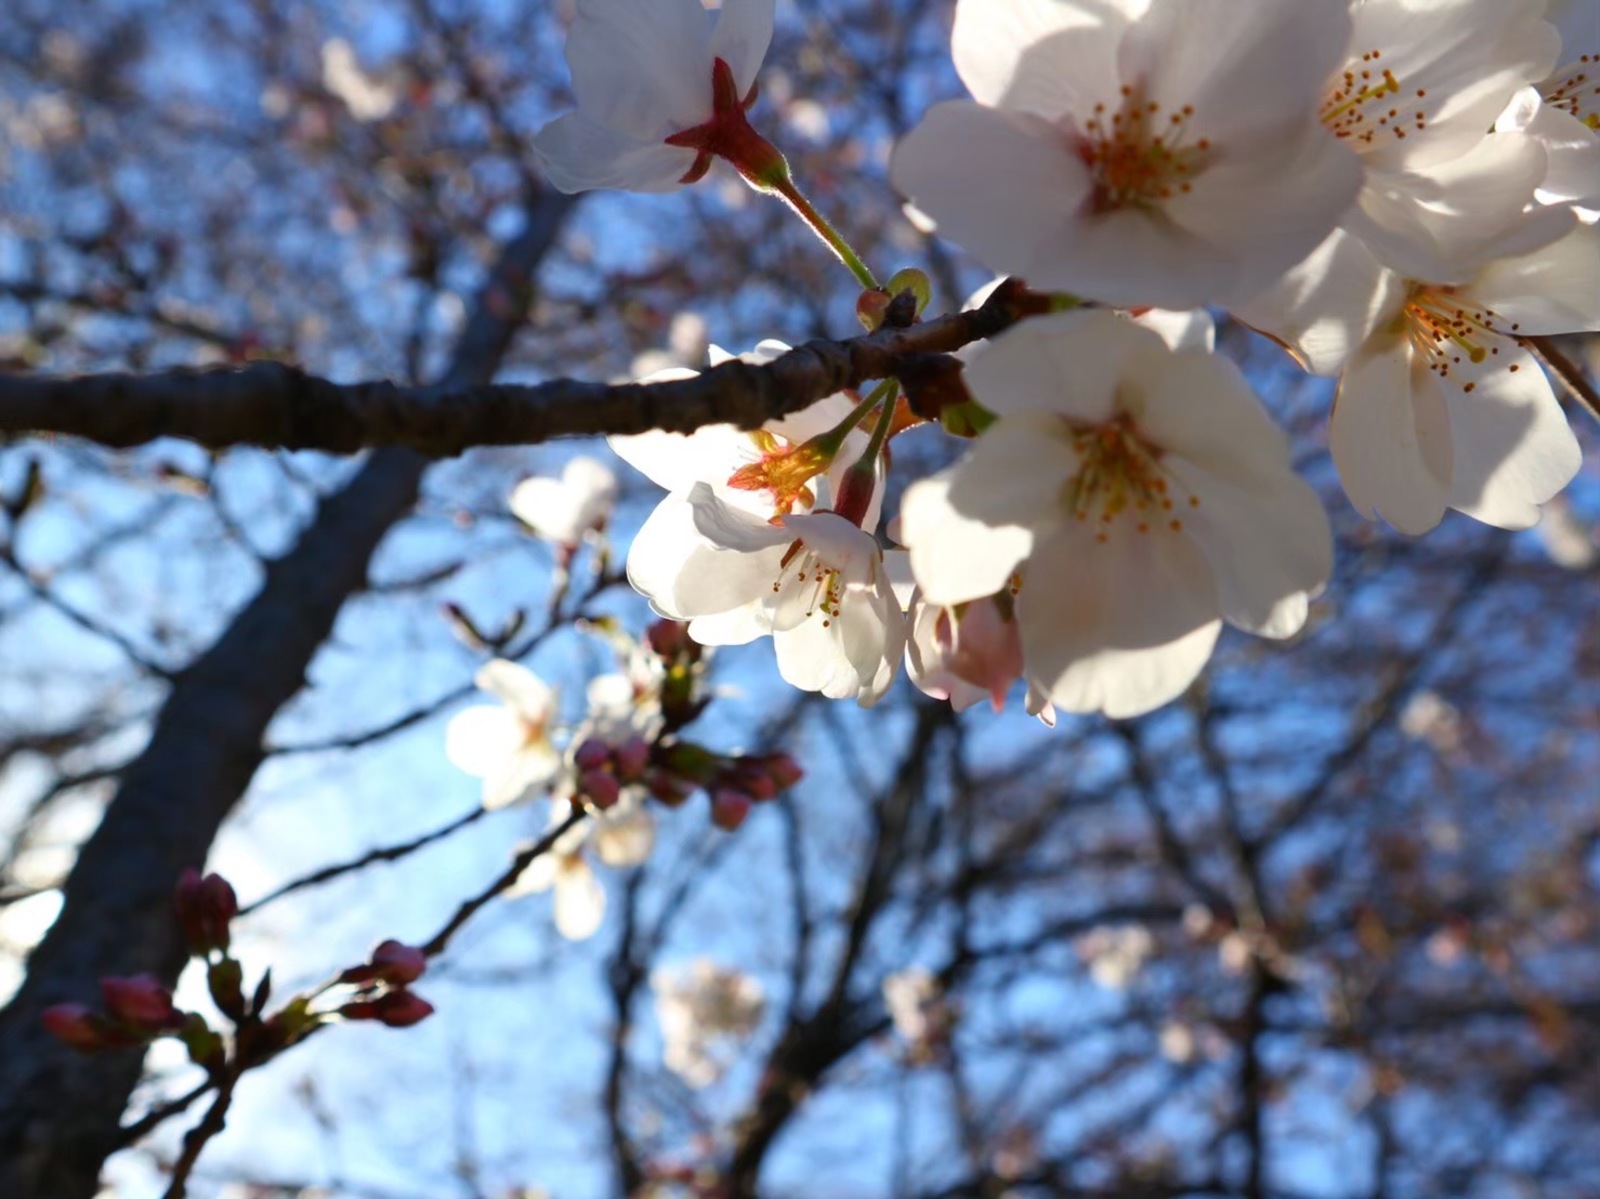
[(275, 406), (59, 1111)]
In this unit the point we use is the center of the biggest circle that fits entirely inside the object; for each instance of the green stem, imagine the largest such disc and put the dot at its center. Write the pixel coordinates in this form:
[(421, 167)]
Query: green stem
[(822, 228), (880, 432)]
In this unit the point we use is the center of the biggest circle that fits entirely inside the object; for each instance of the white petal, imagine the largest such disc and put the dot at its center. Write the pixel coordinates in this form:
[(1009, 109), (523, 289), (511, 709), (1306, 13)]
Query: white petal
[(677, 462), (1269, 548), (811, 659), (642, 69), (1513, 447), (578, 154), (625, 835), (1390, 436), (1553, 290), (1064, 365), (580, 901), (743, 33), (524, 692), (1017, 54), (479, 740), (956, 557), (728, 528), (740, 626), (1325, 308), (1001, 184), (1190, 329), (1197, 52), (1120, 627)]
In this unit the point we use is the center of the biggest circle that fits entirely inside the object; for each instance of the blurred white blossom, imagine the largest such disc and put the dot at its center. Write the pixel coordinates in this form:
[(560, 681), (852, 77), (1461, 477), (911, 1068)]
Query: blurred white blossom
[(706, 1012)]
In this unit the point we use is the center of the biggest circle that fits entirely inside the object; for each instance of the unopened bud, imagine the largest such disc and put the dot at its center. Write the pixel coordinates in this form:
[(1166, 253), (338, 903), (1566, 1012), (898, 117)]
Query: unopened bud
[(141, 1004), (783, 770), (397, 1009), (398, 963), (593, 754), (225, 979), (631, 758), (666, 788), (600, 788), (205, 1046), (754, 781), (670, 639), (206, 906), (75, 1025), (729, 808)]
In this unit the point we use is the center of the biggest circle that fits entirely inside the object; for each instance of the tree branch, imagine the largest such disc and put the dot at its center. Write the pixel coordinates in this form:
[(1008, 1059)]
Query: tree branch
[(271, 405)]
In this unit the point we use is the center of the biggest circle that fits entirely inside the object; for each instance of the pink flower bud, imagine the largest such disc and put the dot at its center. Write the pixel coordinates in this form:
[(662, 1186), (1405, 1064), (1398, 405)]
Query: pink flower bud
[(729, 808), (600, 787), (140, 1003), (398, 963), (593, 754), (401, 1009), (783, 770), (205, 906), (631, 758), (75, 1025)]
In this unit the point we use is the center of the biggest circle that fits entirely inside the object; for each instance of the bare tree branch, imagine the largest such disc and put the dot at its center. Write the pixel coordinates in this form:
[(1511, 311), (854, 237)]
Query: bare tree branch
[(275, 406)]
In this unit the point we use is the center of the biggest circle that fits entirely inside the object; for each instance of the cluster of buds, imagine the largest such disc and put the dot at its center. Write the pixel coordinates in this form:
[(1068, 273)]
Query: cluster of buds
[(137, 1010), (734, 784), (604, 769), (383, 987)]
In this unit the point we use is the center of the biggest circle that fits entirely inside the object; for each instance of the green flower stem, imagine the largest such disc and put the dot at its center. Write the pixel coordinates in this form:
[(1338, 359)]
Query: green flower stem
[(822, 228)]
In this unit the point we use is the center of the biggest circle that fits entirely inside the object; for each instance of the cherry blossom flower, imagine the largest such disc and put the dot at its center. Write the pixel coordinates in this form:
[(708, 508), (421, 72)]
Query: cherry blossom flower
[(815, 582), (564, 510), (507, 745), (1440, 405), (706, 1012), (1142, 495), (1563, 112), (642, 72), (1415, 98), (623, 835), (1161, 154), (759, 470)]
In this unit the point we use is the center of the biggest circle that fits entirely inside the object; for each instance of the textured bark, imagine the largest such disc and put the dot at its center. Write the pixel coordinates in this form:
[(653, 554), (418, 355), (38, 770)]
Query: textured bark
[(276, 406), (59, 1111)]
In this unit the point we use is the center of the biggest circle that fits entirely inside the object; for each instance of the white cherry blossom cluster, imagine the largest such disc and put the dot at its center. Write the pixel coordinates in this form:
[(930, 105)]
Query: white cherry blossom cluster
[(1403, 193)]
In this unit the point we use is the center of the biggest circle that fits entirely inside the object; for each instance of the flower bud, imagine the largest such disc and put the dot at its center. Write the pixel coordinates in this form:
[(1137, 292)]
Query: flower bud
[(141, 1004), (225, 979), (600, 788), (76, 1026), (729, 808), (754, 781), (205, 907), (669, 790), (397, 1009), (593, 754), (670, 639), (631, 758), (398, 963), (871, 307), (783, 770)]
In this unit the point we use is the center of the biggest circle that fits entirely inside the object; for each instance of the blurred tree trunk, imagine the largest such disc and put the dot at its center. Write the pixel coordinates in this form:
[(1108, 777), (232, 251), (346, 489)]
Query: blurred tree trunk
[(59, 1111)]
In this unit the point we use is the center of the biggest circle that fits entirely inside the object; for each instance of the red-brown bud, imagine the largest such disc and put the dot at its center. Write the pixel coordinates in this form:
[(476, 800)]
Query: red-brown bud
[(783, 770), (397, 1009), (729, 808), (670, 638), (140, 1004), (631, 758), (592, 754), (398, 963), (75, 1025), (600, 788), (206, 906)]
